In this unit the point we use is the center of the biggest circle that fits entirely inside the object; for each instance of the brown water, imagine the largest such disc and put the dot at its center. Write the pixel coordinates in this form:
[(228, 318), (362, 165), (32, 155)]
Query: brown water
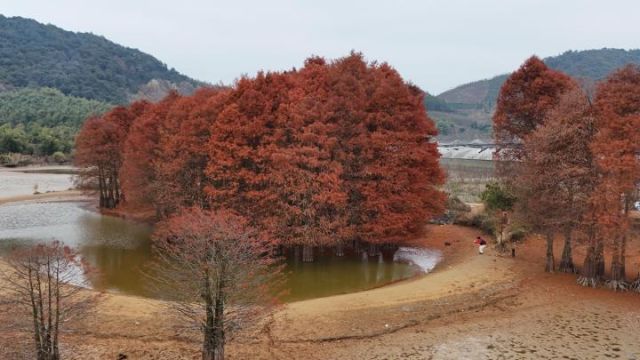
[(120, 250)]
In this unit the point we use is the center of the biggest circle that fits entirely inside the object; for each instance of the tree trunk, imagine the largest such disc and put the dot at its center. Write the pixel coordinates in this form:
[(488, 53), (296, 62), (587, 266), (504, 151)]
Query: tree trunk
[(296, 253), (210, 343), (635, 286), (373, 250), (218, 351), (109, 201), (364, 256), (499, 240), (502, 233), (617, 281), (600, 259), (357, 247), (623, 256), (34, 314), (340, 249), (119, 195), (566, 264), (103, 188), (550, 265), (589, 276), (307, 253)]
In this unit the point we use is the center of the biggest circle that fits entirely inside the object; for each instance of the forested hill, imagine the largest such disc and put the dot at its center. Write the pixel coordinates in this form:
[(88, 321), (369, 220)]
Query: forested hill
[(42, 121), (78, 64), (471, 105), (46, 107), (51, 80)]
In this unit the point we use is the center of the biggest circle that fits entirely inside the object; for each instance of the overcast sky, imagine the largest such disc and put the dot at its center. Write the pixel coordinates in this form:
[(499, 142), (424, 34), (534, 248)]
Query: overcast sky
[(435, 44)]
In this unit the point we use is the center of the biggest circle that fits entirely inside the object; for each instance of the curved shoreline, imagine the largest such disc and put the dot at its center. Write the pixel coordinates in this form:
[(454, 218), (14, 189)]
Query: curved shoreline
[(86, 202), (468, 306)]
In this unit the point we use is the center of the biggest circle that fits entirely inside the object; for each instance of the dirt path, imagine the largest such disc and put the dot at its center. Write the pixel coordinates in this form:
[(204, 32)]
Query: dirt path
[(471, 307)]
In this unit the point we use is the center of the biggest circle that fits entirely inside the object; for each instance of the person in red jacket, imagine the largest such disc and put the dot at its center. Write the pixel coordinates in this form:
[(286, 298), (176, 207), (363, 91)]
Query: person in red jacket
[(482, 244)]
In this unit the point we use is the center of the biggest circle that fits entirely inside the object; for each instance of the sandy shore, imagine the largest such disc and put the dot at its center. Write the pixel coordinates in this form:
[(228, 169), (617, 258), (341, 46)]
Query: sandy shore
[(65, 195), (470, 307)]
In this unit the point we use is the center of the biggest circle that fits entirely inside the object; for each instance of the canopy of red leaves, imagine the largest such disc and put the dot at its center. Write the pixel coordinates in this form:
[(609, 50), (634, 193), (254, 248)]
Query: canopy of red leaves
[(524, 100), (333, 152)]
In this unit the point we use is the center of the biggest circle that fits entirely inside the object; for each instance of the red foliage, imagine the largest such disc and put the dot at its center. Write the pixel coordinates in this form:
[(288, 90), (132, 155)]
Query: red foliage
[(524, 100), (616, 150), (138, 173), (330, 153), (218, 272), (181, 158), (100, 147), (616, 145)]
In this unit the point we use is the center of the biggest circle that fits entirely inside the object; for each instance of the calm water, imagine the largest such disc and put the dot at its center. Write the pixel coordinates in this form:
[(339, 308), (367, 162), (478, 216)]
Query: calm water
[(120, 250), (17, 183)]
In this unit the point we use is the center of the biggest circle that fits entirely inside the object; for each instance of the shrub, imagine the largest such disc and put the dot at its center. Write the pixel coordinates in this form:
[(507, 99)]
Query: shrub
[(59, 157), (497, 197), (484, 222)]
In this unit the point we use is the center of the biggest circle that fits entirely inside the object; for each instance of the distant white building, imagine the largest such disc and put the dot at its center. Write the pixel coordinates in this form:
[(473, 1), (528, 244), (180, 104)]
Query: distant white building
[(472, 150)]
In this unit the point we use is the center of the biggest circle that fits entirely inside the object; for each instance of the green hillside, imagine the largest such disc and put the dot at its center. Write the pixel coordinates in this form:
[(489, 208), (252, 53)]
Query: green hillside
[(51, 80), (593, 64), (46, 107), (433, 103), (42, 121), (78, 64)]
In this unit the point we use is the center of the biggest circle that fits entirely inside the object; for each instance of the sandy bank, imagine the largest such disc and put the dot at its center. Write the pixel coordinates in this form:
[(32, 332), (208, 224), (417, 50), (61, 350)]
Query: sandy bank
[(65, 195)]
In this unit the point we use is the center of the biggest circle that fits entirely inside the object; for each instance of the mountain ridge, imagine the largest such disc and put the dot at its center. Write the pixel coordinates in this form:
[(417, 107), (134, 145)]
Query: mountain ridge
[(473, 103), (79, 64), (52, 79)]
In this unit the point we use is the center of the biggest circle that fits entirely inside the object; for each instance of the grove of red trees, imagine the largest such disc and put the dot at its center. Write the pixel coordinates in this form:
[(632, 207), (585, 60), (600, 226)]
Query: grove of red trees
[(572, 160), (337, 154)]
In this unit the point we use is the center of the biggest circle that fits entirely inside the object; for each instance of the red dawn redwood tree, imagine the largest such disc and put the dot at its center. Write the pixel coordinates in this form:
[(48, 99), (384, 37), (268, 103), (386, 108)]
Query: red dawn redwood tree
[(94, 151), (558, 174), (100, 147), (345, 85), (385, 145), (400, 173), (523, 103), (616, 147), (306, 173), (240, 147), (182, 157), (218, 272), (306, 151), (138, 173)]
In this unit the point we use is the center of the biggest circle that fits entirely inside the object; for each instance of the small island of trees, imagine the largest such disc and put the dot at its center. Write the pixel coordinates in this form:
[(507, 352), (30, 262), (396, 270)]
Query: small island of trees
[(335, 155)]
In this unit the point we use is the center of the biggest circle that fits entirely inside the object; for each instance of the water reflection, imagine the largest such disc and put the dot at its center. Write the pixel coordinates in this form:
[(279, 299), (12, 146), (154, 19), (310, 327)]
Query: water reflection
[(120, 251), (331, 275)]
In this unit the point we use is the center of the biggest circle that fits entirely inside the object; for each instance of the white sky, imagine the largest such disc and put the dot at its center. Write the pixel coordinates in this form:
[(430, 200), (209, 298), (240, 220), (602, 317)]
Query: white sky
[(435, 44)]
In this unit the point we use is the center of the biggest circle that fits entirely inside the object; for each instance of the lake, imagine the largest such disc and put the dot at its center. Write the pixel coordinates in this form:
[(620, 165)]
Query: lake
[(24, 181), (120, 250)]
